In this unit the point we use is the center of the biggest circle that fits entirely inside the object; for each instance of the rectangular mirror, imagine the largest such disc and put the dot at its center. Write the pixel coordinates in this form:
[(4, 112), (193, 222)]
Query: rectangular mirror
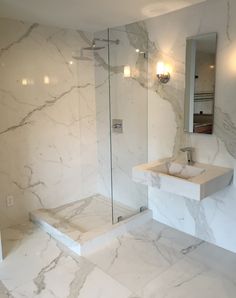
[(200, 83)]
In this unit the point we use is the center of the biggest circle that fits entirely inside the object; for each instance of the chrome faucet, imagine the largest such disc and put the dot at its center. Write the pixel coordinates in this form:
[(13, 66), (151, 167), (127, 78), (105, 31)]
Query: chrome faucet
[(189, 151)]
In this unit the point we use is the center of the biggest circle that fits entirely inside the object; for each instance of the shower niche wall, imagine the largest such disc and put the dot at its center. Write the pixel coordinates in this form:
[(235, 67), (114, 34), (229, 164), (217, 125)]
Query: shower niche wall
[(118, 57)]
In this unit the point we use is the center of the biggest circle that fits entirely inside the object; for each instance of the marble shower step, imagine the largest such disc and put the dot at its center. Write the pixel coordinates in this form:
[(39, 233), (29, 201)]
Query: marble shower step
[(83, 243)]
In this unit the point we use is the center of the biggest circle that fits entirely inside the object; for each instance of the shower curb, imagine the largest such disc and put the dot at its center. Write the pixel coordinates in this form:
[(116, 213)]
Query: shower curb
[(88, 242)]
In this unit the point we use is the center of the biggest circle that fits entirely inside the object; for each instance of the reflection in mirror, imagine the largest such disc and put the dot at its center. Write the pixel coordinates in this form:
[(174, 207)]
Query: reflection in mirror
[(200, 83)]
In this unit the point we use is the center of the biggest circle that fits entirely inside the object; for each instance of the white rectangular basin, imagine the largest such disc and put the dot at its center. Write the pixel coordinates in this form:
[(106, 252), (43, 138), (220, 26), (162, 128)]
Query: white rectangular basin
[(196, 181), (178, 170)]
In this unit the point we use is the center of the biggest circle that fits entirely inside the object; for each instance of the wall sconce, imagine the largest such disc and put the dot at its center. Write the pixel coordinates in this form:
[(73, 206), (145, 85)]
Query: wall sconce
[(163, 72), (46, 80), (127, 71), (26, 82)]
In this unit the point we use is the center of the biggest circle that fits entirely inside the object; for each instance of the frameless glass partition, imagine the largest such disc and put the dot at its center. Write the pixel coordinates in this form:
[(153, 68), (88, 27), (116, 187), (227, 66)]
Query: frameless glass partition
[(121, 105), (128, 61), (103, 128)]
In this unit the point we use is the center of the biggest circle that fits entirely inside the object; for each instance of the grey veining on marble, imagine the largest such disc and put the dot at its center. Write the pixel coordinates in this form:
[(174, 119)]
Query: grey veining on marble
[(212, 220), (166, 106), (151, 261), (48, 119), (19, 39), (225, 129), (86, 225), (202, 229), (137, 258), (50, 270), (166, 115), (4, 293), (167, 92), (86, 214), (182, 264), (207, 271), (188, 278), (67, 111), (48, 103)]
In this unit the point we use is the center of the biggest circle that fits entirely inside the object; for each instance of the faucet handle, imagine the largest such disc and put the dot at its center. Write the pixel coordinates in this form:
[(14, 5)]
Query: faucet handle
[(187, 149)]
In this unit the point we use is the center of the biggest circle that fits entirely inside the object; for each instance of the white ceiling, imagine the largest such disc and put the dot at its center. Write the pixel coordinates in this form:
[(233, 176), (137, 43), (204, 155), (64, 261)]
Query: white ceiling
[(91, 15)]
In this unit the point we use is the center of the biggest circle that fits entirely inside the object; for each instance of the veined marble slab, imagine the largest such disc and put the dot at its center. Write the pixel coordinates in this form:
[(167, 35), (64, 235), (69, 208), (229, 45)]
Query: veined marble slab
[(189, 278), (4, 292), (156, 261), (144, 253), (52, 93), (152, 261), (195, 182), (36, 266), (81, 227)]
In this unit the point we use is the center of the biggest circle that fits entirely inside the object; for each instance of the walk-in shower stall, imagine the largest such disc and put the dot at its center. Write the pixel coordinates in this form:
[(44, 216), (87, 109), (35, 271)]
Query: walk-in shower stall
[(119, 57)]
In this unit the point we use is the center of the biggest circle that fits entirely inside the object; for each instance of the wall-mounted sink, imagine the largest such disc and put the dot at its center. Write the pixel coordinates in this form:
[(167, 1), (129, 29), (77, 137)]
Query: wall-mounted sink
[(196, 181)]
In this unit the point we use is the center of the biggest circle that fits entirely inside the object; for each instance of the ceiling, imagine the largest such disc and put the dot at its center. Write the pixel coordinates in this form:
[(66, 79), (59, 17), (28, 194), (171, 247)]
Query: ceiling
[(91, 15)]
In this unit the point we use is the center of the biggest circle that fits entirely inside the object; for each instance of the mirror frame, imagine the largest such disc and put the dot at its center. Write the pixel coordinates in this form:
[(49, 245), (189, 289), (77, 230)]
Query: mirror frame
[(190, 80)]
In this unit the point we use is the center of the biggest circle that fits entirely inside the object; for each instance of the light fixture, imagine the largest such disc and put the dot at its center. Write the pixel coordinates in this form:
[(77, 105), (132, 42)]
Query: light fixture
[(127, 71), (24, 82), (46, 80), (137, 50), (163, 72)]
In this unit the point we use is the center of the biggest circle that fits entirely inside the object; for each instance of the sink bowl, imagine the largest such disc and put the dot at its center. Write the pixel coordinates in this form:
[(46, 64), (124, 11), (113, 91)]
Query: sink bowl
[(178, 170), (196, 181)]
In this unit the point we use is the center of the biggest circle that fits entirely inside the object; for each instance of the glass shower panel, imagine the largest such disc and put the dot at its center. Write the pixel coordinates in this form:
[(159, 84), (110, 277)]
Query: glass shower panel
[(103, 129), (129, 132)]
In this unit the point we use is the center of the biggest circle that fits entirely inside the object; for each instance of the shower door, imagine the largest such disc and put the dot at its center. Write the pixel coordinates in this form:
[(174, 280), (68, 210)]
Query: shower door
[(128, 70)]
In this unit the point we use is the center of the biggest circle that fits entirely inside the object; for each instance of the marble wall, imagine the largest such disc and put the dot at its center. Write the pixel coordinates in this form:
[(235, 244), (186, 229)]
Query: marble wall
[(48, 152), (48, 139), (214, 219)]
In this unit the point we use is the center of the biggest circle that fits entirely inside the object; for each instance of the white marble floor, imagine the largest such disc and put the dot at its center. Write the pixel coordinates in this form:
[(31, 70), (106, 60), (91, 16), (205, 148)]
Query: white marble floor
[(37, 266), (160, 262), (4, 293), (152, 262)]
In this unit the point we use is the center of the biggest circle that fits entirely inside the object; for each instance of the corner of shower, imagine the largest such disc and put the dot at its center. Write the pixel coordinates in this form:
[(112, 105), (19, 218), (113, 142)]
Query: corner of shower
[(122, 97)]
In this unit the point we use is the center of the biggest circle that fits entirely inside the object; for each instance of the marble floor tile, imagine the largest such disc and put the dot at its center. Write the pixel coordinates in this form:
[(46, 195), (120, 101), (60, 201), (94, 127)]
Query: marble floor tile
[(153, 261), (189, 278), (216, 258), (36, 266), (4, 292), (138, 257)]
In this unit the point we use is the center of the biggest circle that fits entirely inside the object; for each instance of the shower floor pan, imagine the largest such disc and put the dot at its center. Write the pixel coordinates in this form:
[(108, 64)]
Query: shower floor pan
[(86, 225)]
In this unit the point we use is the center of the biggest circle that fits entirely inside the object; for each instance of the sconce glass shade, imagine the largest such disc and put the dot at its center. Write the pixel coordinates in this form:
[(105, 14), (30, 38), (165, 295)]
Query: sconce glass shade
[(46, 80), (163, 72), (24, 82), (127, 71)]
